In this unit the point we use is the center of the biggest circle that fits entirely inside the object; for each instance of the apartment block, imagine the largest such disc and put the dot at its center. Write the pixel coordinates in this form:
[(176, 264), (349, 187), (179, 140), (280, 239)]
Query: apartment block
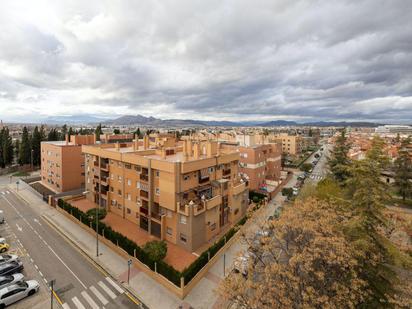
[(291, 144), (183, 192), (62, 163), (262, 165)]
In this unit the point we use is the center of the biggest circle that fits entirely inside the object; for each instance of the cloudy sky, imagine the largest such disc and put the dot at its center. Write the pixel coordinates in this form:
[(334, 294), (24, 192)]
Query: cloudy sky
[(228, 60)]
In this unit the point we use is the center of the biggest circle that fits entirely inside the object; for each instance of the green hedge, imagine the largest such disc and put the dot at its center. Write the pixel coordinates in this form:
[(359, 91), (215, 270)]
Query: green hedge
[(131, 247)]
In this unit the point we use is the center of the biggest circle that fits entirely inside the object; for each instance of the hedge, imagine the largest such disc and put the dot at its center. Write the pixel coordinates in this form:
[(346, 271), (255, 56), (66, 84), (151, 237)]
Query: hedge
[(132, 248)]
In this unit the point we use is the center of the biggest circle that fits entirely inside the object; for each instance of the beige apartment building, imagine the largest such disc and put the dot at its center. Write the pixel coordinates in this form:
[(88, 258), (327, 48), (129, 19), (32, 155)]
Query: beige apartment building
[(291, 144), (183, 192), (262, 164), (62, 163)]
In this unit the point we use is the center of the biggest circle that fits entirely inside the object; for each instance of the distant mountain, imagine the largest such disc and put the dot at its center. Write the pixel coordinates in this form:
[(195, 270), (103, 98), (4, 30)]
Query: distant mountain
[(285, 123), (151, 121), (278, 123), (74, 119)]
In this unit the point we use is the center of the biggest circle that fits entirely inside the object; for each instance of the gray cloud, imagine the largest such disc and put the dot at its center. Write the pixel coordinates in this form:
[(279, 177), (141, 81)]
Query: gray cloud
[(239, 59)]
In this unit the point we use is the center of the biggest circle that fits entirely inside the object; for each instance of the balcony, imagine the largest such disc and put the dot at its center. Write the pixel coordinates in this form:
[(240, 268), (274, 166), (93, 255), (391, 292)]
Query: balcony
[(198, 209), (144, 211), (183, 209), (226, 172), (156, 216), (144, 194), (144, 177), (238, 188), (213, 202)]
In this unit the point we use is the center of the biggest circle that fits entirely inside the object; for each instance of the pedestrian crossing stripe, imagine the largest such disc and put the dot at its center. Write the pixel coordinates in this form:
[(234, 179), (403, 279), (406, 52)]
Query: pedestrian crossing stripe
[(89, 300)]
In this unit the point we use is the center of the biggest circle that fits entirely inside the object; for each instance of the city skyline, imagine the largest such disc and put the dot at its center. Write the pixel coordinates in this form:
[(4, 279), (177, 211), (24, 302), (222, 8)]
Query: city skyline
[(304, 61)]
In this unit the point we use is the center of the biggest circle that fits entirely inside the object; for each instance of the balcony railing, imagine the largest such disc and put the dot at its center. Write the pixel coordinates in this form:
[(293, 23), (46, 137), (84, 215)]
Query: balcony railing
[(144, 177), (226, 172), (144, 194), (213, 202), (144, 211)]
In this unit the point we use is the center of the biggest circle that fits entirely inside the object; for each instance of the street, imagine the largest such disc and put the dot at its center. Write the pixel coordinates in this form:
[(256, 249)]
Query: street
[(320, 169), (78, 282)]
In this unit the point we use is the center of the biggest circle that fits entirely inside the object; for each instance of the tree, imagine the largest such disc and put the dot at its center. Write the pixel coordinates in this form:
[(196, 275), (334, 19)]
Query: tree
[(53, 135), (403, 172), (36, 145), (25, 148), (116, 131), (156, 250), (304, 261), (306, 167), (6, 148), (138, 133), (63, 132), (339, 162), (70, 133), (98, 132)]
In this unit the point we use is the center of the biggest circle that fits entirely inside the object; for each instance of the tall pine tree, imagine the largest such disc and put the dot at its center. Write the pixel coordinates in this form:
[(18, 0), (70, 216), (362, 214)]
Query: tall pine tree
[(25, 148), (339, 162), (403, 171)]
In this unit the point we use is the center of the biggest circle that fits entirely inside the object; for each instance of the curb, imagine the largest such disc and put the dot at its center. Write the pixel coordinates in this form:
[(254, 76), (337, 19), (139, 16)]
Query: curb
[(92, 260)]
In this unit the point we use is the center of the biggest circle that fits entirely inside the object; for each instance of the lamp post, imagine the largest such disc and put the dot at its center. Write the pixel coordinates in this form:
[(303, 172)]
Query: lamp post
[(31, 160)]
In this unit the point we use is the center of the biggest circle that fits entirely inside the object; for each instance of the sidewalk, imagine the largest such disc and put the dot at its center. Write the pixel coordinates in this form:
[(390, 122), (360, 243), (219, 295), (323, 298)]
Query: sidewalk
[(141, 285)]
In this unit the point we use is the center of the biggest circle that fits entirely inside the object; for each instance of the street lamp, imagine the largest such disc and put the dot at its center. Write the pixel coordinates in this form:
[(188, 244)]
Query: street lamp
[(97, 222), (31, 160)]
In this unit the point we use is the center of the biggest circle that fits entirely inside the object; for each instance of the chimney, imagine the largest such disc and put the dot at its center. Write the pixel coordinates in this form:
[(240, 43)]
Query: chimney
[(67, 139), (196, 151), (185, 152), (146, 142), (189, 148), (117, 146), (136, 144)]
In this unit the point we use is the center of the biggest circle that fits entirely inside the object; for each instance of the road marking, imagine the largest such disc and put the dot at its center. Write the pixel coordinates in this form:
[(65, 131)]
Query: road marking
[(19, 227), (44, 279), (35, 266), (118, 288), (77, 302), (99, 295), (107, 290), (51, 249), (7, 192), (37, 221), (65, 306), (89, 300), (41, 274)]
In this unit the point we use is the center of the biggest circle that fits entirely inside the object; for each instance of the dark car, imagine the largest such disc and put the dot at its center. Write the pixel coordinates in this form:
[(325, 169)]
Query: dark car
[(10, 268)]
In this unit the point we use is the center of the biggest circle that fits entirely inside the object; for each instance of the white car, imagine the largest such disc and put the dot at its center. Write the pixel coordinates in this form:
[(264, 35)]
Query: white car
[(5, 281), (15, 292), (4, 258), (2, 240)]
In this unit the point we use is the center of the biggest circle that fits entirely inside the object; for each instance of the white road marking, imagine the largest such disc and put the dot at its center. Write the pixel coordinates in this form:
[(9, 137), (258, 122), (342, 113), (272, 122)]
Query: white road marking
[(65, 306), (3, 193), (19, 227), (89, 300), (107, 290), (58, 257), (99, 295), (7, 192), (114, 284), (37, 221), (78, 304), (35, 266), (44, 279)]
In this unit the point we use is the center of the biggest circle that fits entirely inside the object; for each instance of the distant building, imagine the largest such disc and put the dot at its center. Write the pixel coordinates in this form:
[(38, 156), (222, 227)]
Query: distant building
[(62, 163), (394, 129), (291, 144)]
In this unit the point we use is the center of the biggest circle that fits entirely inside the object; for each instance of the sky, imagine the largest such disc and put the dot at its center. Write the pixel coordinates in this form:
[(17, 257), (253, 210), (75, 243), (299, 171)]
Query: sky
[(208, 60)]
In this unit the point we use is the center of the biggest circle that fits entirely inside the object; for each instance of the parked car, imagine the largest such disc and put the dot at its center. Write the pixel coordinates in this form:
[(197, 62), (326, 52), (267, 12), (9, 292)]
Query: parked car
[(241, 263), (8, 258), (2, 240), (10, 268), (4, 247), (13, 293), (9, 280)]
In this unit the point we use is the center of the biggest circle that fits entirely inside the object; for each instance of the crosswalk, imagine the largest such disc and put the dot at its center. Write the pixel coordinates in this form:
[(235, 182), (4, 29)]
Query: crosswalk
[(5, 192), (316, 177), (96, 296)]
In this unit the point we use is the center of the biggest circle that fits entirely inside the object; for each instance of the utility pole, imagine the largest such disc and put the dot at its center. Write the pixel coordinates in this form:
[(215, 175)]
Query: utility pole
[(129, 262), (51, 283)]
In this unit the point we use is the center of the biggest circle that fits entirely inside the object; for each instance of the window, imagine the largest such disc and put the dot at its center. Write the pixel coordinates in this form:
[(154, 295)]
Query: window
[(138, 168), (129, 197), (119, 164), (186, 177), (183, 237), (111, 176), (169, 231), (119, 192), (129, 211), (183, 219), (213, 227), (157, 191), (157, 173), (169, 213), (111, 189), (119, 178), (129, 182), (128, 166), (211, 169)]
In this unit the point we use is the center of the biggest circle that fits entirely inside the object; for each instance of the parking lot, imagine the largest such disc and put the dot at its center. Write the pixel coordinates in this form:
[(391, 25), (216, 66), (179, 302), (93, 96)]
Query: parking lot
[(41, 299)]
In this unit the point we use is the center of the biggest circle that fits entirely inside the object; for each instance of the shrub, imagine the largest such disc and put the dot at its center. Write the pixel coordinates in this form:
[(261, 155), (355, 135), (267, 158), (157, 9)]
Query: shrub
[(101, 213), (156, 250), (287, 192), (306, 167)]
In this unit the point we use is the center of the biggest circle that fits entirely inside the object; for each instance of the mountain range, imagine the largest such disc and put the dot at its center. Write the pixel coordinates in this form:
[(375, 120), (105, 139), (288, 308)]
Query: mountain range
[(139, 120)]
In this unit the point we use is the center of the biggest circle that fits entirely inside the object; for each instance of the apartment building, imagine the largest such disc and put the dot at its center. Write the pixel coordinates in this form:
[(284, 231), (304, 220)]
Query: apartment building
[(261, 164), (291, 144), (183, 192), (62, 163)]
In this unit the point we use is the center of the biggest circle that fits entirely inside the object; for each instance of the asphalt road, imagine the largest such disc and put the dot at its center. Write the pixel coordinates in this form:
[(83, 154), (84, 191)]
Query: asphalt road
[(79, 283), (320, 170)]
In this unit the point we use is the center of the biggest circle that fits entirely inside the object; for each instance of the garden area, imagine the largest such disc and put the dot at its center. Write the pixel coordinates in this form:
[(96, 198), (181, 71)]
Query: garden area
[(152, 253)]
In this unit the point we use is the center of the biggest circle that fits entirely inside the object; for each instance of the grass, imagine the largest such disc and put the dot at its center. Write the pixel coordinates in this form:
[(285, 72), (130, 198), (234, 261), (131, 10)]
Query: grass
[(21, 174)]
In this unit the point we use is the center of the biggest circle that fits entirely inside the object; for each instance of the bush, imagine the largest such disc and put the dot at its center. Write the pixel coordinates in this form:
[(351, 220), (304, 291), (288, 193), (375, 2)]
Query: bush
[(101, 213), (156, 250), (306, 167), (287, 192)]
